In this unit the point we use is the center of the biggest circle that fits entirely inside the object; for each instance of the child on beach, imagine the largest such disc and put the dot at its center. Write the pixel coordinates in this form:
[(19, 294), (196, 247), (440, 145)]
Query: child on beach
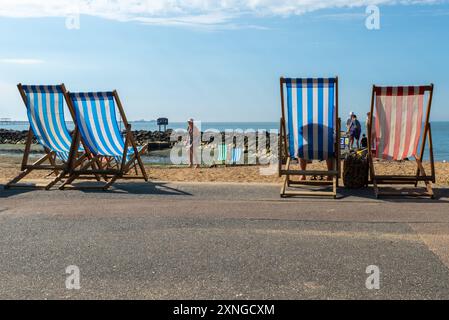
[(364, 142)]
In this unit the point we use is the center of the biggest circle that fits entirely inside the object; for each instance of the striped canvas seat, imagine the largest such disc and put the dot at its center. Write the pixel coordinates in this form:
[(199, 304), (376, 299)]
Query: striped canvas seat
[(236, 155), (222, 152), (400, 124), (398, 121), (310, 118), (45, 111), (96, 117)]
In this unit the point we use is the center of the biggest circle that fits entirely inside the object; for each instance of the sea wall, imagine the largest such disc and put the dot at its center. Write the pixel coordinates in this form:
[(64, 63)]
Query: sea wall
[(19, 137), (156, 139)]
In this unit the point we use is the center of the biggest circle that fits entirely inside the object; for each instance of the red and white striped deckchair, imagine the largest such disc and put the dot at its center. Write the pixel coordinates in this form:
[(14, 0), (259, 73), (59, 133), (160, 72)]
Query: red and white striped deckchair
[(398, 127)]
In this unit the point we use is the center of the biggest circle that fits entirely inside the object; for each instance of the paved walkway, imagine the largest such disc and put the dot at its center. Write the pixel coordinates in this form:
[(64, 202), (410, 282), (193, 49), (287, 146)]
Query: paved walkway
[(186, 240)]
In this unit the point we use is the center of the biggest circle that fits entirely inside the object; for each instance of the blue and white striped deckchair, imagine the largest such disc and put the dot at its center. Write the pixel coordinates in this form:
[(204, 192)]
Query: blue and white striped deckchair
[(236, 155), (309, 127), (222, 153), (45, 111), (95, 115)]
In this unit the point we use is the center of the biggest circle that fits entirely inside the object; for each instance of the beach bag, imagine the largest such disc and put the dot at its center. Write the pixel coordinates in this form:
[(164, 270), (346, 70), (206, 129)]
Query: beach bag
[(356, 170)]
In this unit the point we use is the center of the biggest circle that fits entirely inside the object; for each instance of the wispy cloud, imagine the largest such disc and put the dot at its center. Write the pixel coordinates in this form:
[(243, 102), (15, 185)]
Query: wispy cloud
[(21, 61), (182, 12), (344, 16)]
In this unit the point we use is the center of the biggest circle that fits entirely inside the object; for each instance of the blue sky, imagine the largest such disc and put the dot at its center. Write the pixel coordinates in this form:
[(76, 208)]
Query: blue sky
[(222, 64)]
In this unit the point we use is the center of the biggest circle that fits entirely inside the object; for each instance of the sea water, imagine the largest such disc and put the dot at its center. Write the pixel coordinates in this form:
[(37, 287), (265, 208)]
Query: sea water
[(440, 131)]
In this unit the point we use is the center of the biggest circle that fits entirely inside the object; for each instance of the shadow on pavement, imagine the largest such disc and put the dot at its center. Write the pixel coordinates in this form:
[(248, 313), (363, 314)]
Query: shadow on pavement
[(6, 193), (135, 188), (161, 188), (441, 195)]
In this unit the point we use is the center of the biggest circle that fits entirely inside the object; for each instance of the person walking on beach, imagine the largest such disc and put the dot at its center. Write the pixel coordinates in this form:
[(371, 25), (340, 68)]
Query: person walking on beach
[(193, 134), (348, 122), (355, 129)]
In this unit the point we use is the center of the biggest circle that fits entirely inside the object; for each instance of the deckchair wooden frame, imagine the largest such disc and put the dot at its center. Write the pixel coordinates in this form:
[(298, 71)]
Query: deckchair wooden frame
[(111, 171), (284, 170), (421, 175), (60, 170)]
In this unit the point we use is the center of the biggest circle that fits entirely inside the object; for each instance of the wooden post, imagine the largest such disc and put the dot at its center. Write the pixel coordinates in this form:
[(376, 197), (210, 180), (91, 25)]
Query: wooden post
[(30, 131), (423, 142), (337, 168), (131, 137), (426, 124), (370, 139), (120, 108), (280, 157), (75, 137), (282, 81), (432, 162)]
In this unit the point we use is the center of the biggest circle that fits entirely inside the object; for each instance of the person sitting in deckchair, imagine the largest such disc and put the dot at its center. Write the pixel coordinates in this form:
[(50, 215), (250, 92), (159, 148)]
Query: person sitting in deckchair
[(310, 130), (303, 166)]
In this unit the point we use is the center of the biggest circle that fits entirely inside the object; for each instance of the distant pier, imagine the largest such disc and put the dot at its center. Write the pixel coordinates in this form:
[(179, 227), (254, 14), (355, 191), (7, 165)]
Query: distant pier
[(8, 121)]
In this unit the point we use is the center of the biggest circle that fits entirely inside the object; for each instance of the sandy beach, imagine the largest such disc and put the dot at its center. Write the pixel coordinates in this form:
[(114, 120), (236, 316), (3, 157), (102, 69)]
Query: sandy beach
[(10, 166)]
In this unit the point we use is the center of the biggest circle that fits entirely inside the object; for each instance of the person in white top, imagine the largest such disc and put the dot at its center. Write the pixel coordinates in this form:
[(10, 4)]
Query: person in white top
[(193, 134)]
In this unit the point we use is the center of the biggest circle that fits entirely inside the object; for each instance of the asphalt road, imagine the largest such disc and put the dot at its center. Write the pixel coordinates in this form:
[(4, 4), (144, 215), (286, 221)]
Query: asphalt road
[(220, 241)]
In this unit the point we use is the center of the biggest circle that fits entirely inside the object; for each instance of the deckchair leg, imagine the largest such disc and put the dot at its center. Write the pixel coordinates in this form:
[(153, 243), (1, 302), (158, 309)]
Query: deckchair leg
[(136, 157), (53, 162), (25, 172), (75, 175), (135, 167), (284, 187), (372, 173), (334, 186), (17, 178), (430, 189), (286, 179), (98, 162), (110, 182), (68, 181), (376, 189), (423, 174), (139, 161), (56, 180)]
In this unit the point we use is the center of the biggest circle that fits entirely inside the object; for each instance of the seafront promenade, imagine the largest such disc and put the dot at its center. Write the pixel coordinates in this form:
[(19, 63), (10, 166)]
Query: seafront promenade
[(221, 241)]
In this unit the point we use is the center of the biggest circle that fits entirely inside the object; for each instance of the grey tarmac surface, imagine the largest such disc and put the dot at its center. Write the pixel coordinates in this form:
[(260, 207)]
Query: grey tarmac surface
[(220, 241)]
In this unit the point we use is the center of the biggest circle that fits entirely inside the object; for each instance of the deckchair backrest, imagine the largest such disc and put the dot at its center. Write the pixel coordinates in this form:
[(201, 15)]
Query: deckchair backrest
[(311, 117), (398, 121), (45, 111), (97, 122)]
